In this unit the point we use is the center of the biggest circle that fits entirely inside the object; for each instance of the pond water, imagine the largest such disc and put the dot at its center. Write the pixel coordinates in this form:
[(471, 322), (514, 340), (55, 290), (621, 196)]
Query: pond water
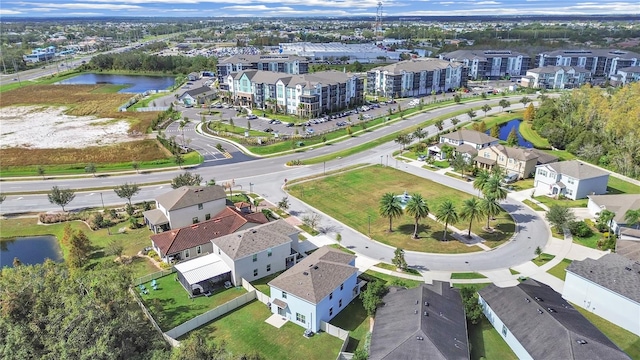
[(137, 83), (505, 129), (30, 250)]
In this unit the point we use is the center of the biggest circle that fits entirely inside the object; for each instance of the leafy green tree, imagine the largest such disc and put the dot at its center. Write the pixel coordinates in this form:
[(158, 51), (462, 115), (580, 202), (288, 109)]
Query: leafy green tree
[(525, 100), (136, 166), (61, 197), (447, 214), (390, 207), (471, 210), (493, 188), (256, 202), (460, 163), (90, 169), (41, 171), (504, 103), (127, 191), (196, 346), (512, 139), (491, 208), (455, 121), (419, 133), (472, 308), (283, 204), (529, 113), (606, 218), (186, 179), (398, 259), (471, 114), (559, 216), (457, 98), (481, 179), (114, 248), (404, 140), (372, 296), (632, 218), (486, 108), (439, 124), (418, 209), (360, 354), (178, 159), (538, 251)]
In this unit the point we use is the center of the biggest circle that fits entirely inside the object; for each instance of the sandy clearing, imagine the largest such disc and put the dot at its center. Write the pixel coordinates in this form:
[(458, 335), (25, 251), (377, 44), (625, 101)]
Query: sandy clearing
[(49, 128)]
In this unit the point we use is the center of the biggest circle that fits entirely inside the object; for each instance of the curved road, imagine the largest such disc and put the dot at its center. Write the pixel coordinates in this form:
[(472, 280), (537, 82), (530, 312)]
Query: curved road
[(266, 176)]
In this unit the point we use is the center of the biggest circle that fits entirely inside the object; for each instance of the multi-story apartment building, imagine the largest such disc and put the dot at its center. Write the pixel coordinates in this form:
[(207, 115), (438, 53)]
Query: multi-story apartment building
[(288, 64), (416, 78), (626, 75), (491, 64), (601, 62), (305, 95), (556, 77)]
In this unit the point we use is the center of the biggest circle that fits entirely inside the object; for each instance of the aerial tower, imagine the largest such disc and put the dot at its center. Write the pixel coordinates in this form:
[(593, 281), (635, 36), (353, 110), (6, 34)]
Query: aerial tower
[(379, 34)]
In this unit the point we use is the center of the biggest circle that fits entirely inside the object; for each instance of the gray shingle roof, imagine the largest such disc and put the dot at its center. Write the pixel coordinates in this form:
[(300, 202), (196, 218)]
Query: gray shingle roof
[(307, 80), (417, 65), (481, 54), (630, 69), (257, 239), (547, 334), (617, 203), (402, 331), (514, 153), (613, 272), (472, 136), (577, 169), (608, 53), (198, 91), (190, 195), (317, 275)]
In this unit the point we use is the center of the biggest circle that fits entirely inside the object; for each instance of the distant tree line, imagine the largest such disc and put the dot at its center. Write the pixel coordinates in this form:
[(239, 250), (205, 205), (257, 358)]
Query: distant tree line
[(139, 61)]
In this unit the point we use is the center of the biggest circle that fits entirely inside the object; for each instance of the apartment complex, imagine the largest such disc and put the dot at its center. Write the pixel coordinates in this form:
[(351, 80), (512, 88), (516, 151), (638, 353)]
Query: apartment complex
[(556, 77), (600, 62), (306, 95), (416, 77), (491, 64), (626, 75), (288, 64)]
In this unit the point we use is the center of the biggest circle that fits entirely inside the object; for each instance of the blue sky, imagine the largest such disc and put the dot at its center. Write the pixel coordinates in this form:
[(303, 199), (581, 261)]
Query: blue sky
[(318, 8)]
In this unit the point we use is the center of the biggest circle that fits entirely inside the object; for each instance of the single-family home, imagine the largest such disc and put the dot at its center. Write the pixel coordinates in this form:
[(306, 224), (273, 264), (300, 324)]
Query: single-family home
[(519, 161), (316, 289), (572, 179), (197, 96), (619, 204), (608, 287), (195, 240), (537, 323), (185, 206), (193, 76), (464, 141), (427, 322)]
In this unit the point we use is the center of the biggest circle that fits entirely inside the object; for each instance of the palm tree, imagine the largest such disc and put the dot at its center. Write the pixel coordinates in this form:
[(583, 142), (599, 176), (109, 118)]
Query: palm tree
[(256, 202), (490, 207), (390, 207), (447, 213), (493, 188), (404, 140), (419, 133), (632, 217), (486, 108), (481, 179), (471, 210), (417, 208), (439, 124)]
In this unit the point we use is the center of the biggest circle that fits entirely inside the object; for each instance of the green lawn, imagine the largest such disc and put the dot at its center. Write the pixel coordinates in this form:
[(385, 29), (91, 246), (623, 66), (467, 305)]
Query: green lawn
[(441, 164), (543, 259), (308, 230), (514, 272), (549, 201), (467, 275), (244, 331), (354, 319), (522, 184), (532, 136), (626, 340), (619, 186), (532, 205), (261, 284), (590, 241), (475, 286), (563, 155), (371, 275), (171, 305), (558, 270), (394, 268), (486, 343), (342, 248), (366, 186)]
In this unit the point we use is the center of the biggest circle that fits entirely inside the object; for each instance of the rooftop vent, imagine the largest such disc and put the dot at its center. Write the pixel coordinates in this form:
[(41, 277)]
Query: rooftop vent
[(426, 313), (538, 299), (315, 267), (254, 231), (581, 341), (420, 338), (305, 273), (415, 311), (417, 302), (539, 311), (551, 310), (527, 300), (628, 268), (426, 303)]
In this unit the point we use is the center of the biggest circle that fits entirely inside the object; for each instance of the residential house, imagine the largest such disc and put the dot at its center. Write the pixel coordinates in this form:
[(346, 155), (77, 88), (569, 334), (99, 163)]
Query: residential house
[(316, 289), (416, 77), (195, 240), (600, 62), (571, 179), (193, 76), (626, 75), (608, 287), (519, 161), (491, 64), (307, 95), (259, 251), (619, 204), (197, 96), (556, 77), (427, 322), (466, 142), (287, 64), (184, 206), (537, 323)]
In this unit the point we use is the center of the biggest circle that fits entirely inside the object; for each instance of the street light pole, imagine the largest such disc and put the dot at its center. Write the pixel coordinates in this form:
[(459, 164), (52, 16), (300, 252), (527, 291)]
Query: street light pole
[(380, 160), (102, 200), (251, 187), (387, 160)]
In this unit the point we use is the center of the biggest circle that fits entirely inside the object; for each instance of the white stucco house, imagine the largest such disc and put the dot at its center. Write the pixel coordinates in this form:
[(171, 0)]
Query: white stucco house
[(572, 179), (464, 141), (537, 323), (608, 287), (316, 289), (185, 206), (619, 204)]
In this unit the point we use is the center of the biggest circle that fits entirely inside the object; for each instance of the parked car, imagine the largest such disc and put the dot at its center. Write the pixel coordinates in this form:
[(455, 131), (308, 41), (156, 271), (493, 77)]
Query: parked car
[(310, 131), (252, 117), (422, 157)]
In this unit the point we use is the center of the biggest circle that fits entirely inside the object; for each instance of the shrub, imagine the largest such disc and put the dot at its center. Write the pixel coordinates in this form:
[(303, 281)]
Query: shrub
[(580, 228)]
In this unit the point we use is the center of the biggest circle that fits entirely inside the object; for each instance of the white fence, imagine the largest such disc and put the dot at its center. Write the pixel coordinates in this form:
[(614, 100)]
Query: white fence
[(173, 342), (263, 298), (210, 315), (341, 334), (155, 275)]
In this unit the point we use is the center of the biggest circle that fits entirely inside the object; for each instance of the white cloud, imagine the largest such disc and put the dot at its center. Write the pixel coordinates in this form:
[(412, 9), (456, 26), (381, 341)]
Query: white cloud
[(9, 12)]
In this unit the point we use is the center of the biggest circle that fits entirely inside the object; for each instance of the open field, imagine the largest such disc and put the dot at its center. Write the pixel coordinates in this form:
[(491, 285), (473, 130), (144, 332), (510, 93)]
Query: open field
[(244, 331), (363, 189), (543, 259)]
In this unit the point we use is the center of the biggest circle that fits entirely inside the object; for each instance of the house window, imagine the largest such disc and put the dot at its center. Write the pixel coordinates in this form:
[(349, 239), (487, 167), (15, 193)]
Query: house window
[(330, 311), (269, 252), (501, 158), (199, 249), (200, 206), (341, 286), (570, 181), (268, 267), (218, 251), (255, 272), (510, 161), (194, 220), (542, 172), (504, 330), (284, 295), (186, 253), (330, 296), (207, 216), (487, 155), (255, 257), (301, 318), (355, 290), (569, 192), (340, 303)]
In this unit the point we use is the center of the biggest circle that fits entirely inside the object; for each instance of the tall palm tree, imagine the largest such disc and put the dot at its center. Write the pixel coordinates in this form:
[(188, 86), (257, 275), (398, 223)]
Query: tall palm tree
[(471, 210), (490, 207), (606, 217), (390, 207), (493, 188), (632, 217), (481, 179), (447, 213), (417, 208)]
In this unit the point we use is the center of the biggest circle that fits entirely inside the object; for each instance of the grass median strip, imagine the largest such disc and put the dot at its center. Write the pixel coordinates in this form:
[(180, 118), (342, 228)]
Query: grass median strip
[(467, 275)]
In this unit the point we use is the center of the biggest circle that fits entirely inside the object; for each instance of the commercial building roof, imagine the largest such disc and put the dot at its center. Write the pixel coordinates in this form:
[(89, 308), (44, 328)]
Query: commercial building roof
[(546, 325), (612, 271), (307, 80), (480, 54), (417, 65), (190, 195), (257, 239), (617, 203), (202, 268), (250, 59), (427, 322), (630, 69), (576, 169), (608, 53)]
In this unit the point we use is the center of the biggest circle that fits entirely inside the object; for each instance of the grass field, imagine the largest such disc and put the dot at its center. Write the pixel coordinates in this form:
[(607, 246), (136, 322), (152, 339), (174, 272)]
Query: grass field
[(532, 205), (558, 270), (522, 184), (549, 201), (532, 136), (244, 331), (543, 259), (467, 275), (363, 188), (394, 268), (626, 340), (486, 343), (355, 320), (590, 241)]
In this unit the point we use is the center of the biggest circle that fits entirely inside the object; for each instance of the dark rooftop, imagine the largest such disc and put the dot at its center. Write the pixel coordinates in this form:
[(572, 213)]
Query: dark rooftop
[(612, 271)]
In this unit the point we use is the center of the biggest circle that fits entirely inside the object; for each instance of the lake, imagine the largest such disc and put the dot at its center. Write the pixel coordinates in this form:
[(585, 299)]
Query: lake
[(505, 129), (30, 250), (137, 83)]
